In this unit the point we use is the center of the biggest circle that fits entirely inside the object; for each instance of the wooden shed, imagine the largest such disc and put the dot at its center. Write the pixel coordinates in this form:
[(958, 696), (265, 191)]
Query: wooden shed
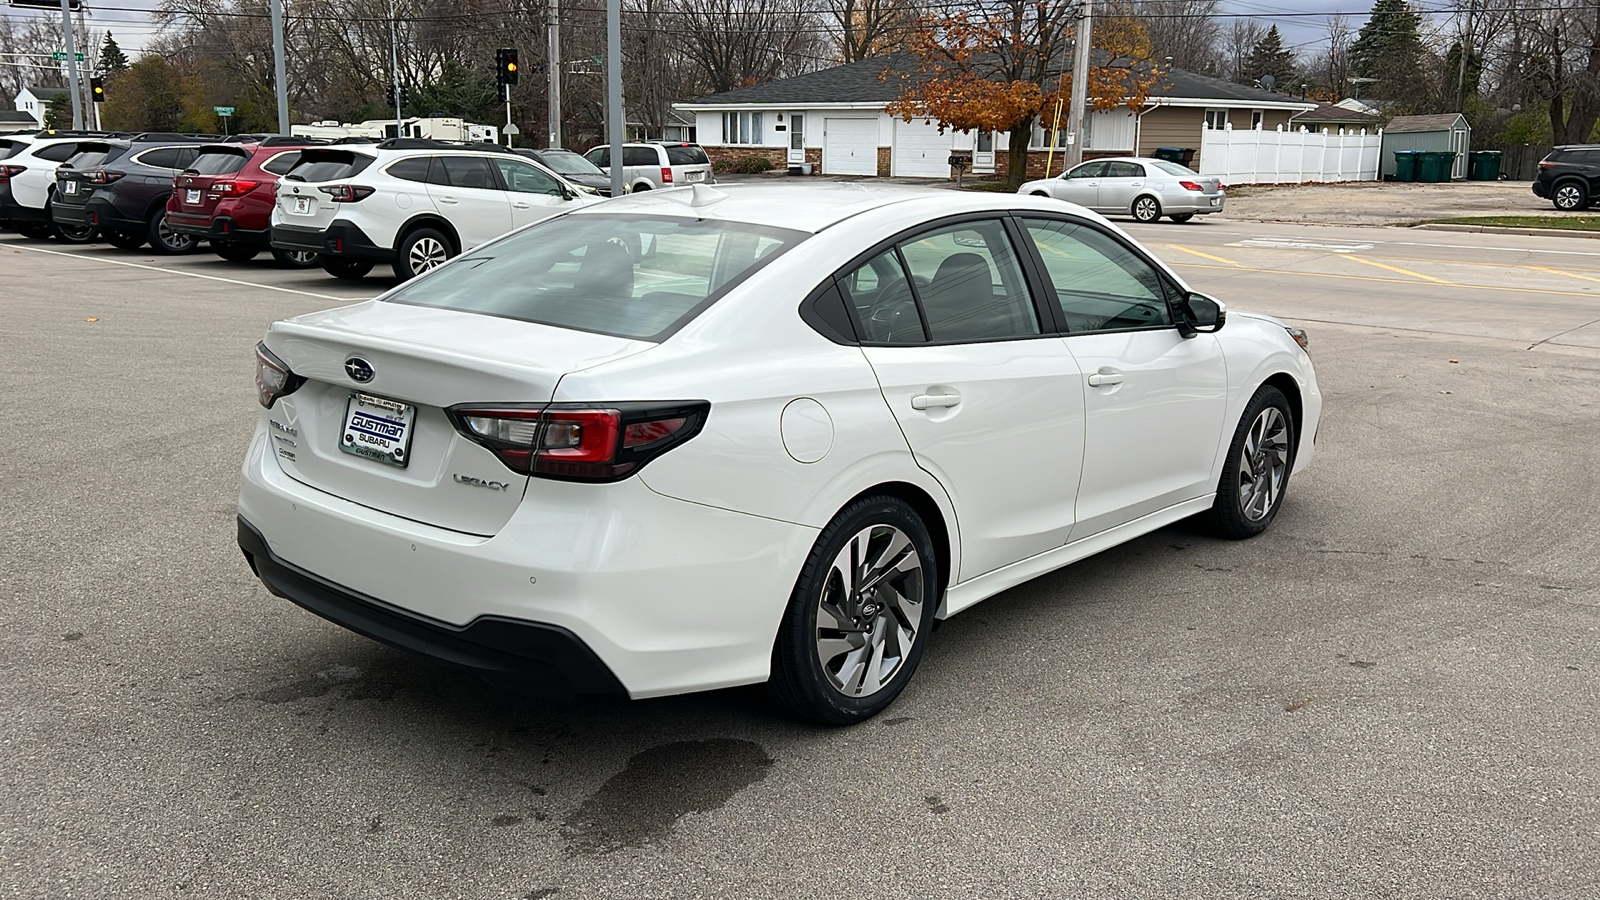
[(1444, 131)]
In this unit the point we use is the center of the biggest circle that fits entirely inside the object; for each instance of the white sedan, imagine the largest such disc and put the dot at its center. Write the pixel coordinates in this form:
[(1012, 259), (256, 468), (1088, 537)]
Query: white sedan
[(1145, 189), (705, 437)]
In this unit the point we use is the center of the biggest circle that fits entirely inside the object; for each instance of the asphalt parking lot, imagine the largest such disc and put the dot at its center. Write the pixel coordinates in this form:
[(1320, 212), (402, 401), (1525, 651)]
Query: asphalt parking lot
[(1395, 692)]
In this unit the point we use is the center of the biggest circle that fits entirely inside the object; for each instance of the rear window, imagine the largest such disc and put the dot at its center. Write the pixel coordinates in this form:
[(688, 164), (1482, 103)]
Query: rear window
[(327, 165), (628, 276), (687, 156), (91, 155), (12, 148), (219, 162), (1172, 168), (56, 152)]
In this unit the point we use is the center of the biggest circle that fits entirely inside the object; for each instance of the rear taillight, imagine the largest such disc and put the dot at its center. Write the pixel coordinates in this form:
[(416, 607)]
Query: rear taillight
[(273, 378), (7, 171), (666, 174), (235, 188), (346, 193), (1543, 164), (1190, 186), (579, 441), (101, 176)]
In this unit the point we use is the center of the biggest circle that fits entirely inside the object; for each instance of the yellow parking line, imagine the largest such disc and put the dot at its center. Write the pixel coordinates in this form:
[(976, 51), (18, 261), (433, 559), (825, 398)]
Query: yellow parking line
[(1398, 269), (1559, 272), (1203, 255), (1475, 287)]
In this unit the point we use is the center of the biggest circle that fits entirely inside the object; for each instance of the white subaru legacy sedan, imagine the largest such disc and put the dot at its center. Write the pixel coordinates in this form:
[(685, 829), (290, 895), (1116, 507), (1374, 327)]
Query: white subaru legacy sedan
[(706, 437)]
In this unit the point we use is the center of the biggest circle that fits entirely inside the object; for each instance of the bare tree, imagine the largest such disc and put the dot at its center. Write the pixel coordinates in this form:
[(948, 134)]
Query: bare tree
[(869, 28), (1185, 30), (1241, 38), (742, 42)]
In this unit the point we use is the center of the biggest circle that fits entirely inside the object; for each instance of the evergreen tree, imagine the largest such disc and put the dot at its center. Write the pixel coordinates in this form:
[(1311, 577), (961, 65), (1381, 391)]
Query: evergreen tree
[(112, 59), (1389, 49), (58, 112), (1270, 57)]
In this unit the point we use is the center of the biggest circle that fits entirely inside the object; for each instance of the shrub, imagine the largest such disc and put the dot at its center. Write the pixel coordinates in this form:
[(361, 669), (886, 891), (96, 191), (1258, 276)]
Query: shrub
[(751, 165)]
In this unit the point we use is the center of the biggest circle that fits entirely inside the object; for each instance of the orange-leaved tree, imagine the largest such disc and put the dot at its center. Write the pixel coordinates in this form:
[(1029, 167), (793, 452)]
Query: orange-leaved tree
[(1001, 66)]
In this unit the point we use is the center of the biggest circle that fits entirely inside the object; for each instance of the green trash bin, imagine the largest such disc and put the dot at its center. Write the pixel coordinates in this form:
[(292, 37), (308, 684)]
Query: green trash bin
[(1433, 166), (1170, 154), (1484, 165), (1405, 165)]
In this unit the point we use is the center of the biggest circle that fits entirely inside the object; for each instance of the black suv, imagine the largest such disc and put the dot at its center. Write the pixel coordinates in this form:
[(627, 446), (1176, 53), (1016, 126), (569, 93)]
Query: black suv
[(121, 186), (1570, 176)]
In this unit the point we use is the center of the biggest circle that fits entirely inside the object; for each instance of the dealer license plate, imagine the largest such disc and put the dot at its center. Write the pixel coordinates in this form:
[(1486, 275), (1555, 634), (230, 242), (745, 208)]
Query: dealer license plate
[(70, 187), (302, 206), (192, 195), (378, 429)]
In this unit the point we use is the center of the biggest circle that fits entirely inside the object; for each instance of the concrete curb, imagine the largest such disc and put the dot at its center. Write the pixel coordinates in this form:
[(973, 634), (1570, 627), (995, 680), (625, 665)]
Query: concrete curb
[(1511, 229)]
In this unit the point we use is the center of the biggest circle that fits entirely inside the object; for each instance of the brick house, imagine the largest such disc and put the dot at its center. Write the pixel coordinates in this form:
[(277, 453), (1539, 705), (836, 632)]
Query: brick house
[(837, 121)]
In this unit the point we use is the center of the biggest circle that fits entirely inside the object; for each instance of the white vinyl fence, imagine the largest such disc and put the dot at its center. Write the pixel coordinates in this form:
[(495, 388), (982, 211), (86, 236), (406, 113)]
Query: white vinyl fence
[(1255, 156)]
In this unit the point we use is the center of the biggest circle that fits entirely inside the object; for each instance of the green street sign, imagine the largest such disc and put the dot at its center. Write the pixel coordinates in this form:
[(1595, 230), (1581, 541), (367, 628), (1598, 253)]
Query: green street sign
[(61, 56), (223, 111)]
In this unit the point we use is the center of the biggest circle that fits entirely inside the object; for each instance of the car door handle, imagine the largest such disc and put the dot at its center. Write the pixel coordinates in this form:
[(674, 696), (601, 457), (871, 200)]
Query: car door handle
[(1105, 378), (522, 206), (450, 200), (935, 401)]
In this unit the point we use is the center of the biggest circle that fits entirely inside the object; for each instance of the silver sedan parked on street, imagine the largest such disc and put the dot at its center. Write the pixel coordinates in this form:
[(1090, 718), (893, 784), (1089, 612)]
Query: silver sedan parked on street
[(1146, 189)]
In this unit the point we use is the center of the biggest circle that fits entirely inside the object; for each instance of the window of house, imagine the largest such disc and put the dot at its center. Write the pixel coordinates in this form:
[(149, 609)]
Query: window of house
[(741, 128), (1217, 119)]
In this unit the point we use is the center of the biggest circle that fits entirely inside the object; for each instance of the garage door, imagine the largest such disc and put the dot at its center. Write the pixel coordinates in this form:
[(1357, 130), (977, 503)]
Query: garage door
[(920, 151), (850, 146)]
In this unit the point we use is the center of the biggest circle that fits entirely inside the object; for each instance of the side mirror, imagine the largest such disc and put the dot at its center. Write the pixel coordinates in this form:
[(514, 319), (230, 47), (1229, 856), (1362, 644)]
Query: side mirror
[(1200, 314)]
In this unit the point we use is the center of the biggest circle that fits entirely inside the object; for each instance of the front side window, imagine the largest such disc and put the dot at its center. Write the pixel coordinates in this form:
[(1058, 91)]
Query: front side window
[(1102, 285), (1089, 170), (630, 276), (522, 178)]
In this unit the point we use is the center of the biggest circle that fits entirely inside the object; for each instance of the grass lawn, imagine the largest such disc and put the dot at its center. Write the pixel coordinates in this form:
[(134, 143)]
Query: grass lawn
[(1570, 223)]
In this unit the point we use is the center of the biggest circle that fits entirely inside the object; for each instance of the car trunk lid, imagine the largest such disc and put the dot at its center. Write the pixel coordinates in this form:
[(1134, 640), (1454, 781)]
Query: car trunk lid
[(336, 433), (213, 177)]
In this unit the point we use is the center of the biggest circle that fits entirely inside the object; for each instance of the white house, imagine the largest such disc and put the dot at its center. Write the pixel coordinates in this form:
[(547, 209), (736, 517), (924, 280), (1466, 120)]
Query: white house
[(34, 100)]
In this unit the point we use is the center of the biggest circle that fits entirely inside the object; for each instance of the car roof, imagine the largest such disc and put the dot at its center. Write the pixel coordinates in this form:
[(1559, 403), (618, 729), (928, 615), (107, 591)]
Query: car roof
[(810, 207)]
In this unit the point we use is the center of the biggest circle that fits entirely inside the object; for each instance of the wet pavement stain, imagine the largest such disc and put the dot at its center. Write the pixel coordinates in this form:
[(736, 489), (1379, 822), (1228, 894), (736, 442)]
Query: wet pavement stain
[(315, 686), (659, 786), (936, 805)]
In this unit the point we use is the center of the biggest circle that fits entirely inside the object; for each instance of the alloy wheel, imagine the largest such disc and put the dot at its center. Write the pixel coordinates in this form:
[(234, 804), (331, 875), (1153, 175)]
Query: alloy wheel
[(426, 253), (870, 610), (76, 234), (172, 240), (1263, 464), (1568, 197), (301, 257), (1146, 210)]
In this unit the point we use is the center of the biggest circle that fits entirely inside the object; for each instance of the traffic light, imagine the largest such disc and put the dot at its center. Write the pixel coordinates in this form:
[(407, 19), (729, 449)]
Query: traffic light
[(506, 65), (97, 88), (500, 92)]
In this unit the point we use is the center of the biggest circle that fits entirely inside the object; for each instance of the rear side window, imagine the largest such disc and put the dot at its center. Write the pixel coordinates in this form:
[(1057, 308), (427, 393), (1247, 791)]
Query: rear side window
[(600, 156), (640, 156), (282, 163), (162, 158), (11, 148), (328, 165), (57, 152), (219, 162), (413, 169), (687, 156), (628, 276), (91, 155), (470, 172)]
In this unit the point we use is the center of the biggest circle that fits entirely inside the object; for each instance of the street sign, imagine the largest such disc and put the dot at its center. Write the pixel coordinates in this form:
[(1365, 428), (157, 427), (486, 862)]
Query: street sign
[(223, 111), (61, 56), (511, 129)]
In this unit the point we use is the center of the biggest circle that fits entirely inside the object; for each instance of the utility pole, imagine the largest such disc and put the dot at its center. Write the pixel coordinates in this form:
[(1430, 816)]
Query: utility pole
[(553, 55), (68, 38), (1466, 48), (1080, 84), (616, 128), (278, 68), (394, 65)]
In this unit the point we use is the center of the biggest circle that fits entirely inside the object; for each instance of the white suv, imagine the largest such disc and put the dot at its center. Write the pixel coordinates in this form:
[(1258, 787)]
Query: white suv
[(647, 167), (28, 164), (411, 203)]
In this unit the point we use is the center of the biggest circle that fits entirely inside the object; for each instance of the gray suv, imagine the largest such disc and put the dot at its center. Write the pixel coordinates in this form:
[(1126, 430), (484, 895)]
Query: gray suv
[(647, 167)]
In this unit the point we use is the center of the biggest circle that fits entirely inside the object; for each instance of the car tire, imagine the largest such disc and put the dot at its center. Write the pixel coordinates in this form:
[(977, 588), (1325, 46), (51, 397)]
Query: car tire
[(235, 252), (422, 250), (1181, 218), (123, 240), (1570, 196), (75, 234), (1146, 209), (846, 674), (298, 259), (644, 186), (36, 231), (344, 267), (1256, 475), (165, 241)]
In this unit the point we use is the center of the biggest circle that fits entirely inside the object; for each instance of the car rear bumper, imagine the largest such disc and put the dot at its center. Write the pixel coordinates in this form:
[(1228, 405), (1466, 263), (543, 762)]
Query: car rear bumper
[(97, 211), (341, 238), (668, 596), (1199, 205), (1541, 190), (223, 229)]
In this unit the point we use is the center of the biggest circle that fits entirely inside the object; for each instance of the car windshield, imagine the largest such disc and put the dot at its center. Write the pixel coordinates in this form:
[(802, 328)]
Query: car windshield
[(219, 162), (1172, 168), (629, 276), (569, 164)]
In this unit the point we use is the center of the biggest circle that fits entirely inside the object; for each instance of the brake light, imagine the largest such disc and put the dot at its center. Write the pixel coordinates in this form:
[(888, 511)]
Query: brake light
[(346, 193), (1190, 186), (101, 176), (666, 174), (7, 171), (235, 188), (579, 442), (1543, 164), (273, 378)]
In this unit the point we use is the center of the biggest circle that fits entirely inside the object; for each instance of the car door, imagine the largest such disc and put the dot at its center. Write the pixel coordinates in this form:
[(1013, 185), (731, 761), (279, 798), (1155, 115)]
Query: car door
[(531, 191), (467, 192), (1122, 182), (987, 399), (1154, 400), (642, 164), (1081, 185)]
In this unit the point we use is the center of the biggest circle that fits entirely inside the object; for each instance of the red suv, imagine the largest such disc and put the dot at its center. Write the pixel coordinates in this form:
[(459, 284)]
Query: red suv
[(226, 197)]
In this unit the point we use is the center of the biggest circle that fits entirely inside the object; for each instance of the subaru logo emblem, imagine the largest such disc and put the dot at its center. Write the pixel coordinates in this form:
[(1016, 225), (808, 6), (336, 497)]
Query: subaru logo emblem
[(358, 369)]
